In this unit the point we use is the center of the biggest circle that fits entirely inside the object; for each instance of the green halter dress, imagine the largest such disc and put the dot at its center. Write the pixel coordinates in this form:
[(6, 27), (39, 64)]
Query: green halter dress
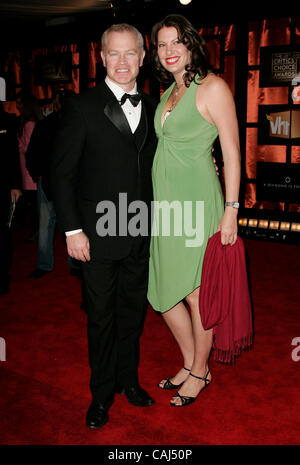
[(188, 200)]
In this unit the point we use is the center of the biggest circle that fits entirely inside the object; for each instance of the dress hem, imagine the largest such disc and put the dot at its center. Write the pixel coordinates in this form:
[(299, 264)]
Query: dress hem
[(179, 300)]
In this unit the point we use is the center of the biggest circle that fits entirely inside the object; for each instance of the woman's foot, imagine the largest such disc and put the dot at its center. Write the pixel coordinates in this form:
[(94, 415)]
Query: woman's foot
[(175, 381), (191, 388)]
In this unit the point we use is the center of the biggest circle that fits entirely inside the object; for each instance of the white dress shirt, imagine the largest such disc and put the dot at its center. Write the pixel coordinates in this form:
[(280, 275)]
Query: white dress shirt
[(132, 113)]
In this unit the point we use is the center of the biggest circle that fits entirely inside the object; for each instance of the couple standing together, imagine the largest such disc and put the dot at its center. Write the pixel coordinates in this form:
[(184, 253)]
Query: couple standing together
[(110, 140)]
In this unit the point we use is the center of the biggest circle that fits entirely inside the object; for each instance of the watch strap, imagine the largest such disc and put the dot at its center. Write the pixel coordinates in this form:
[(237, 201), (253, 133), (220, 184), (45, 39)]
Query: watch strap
[(232, 204)]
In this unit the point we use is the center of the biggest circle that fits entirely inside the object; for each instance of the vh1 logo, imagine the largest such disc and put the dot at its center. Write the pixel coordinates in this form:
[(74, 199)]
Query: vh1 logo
[(284, 124), (279, 124), (278, 127)]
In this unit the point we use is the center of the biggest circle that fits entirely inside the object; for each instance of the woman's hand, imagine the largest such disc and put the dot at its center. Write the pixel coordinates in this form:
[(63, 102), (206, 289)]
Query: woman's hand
[(228, 226)]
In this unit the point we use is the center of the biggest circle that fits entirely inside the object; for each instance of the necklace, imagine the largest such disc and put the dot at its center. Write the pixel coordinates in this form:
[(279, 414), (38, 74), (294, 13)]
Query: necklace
[(173, 103)]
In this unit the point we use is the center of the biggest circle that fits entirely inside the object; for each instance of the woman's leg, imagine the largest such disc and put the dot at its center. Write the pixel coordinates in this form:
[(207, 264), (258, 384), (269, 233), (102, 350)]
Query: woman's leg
[(179, 322), (202, 344)]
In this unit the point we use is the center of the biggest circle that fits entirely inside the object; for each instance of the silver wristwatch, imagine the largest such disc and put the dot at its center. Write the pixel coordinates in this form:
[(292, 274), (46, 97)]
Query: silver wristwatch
[(232, 204)]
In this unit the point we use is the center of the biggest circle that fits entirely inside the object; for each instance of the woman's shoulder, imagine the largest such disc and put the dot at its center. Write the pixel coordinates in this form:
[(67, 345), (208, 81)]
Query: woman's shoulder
[(213, 86), (212, 81)]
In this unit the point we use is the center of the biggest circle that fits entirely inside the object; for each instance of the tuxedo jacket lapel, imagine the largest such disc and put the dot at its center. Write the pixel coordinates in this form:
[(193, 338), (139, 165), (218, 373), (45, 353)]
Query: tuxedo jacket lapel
[(115, 114)]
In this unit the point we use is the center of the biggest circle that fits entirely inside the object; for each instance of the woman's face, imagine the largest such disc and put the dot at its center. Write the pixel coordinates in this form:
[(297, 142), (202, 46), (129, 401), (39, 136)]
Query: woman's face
[(173, 54)]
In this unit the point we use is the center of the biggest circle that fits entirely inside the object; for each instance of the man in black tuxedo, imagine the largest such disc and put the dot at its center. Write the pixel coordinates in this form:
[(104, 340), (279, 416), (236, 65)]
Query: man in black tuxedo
[(105, 147)]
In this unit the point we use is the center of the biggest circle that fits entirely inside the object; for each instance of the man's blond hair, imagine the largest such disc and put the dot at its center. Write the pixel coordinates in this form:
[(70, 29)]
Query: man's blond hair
[(122, 27)]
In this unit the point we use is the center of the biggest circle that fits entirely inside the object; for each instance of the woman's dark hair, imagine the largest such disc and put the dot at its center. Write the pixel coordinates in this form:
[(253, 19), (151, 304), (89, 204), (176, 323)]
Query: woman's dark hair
[(189, 36)]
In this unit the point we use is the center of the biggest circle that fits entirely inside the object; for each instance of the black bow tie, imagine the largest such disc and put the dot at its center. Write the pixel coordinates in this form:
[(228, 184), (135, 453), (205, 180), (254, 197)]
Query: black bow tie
[(134, 99)]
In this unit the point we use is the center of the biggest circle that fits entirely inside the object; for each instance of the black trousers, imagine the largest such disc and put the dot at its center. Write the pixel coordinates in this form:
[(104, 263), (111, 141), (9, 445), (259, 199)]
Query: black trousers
[(115, 298)]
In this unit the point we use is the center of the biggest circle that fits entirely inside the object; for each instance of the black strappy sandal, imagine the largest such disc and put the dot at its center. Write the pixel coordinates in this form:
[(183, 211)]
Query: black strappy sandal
[(169, 385), (185, 400)]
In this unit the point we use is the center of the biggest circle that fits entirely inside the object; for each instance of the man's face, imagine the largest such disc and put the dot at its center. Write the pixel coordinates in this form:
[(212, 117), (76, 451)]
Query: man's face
[(122, 58)]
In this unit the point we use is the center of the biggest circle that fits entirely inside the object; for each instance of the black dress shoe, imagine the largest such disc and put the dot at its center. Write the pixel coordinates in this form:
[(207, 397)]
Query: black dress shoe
[(138, 396), (38, 273), (97, 415)]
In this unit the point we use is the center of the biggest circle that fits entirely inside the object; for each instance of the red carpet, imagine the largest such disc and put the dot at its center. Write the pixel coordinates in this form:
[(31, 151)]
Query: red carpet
[(44, 381)]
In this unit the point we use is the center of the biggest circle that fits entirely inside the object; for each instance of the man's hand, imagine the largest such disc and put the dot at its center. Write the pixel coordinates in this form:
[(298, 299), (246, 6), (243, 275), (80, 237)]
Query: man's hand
[(15, 193), (216, 166), (78, 246)]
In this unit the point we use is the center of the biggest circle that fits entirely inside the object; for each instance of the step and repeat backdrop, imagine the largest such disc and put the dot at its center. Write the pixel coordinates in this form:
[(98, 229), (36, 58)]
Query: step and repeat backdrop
[(271, 155)]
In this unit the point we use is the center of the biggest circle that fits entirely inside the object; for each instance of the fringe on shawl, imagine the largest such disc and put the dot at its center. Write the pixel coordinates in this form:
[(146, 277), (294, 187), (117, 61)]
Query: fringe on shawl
[(229, 355)]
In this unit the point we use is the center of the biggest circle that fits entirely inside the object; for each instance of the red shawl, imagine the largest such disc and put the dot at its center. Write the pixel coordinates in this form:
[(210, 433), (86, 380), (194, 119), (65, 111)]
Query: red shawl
[(224, 299)]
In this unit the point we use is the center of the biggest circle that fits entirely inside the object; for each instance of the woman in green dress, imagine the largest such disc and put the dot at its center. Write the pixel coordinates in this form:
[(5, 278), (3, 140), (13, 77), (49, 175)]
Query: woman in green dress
[(197, 108)]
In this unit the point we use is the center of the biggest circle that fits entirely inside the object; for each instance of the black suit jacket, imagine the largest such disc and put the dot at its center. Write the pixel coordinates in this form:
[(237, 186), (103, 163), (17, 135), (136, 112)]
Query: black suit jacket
[(96, 157), (10, 177), (39, 150)]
